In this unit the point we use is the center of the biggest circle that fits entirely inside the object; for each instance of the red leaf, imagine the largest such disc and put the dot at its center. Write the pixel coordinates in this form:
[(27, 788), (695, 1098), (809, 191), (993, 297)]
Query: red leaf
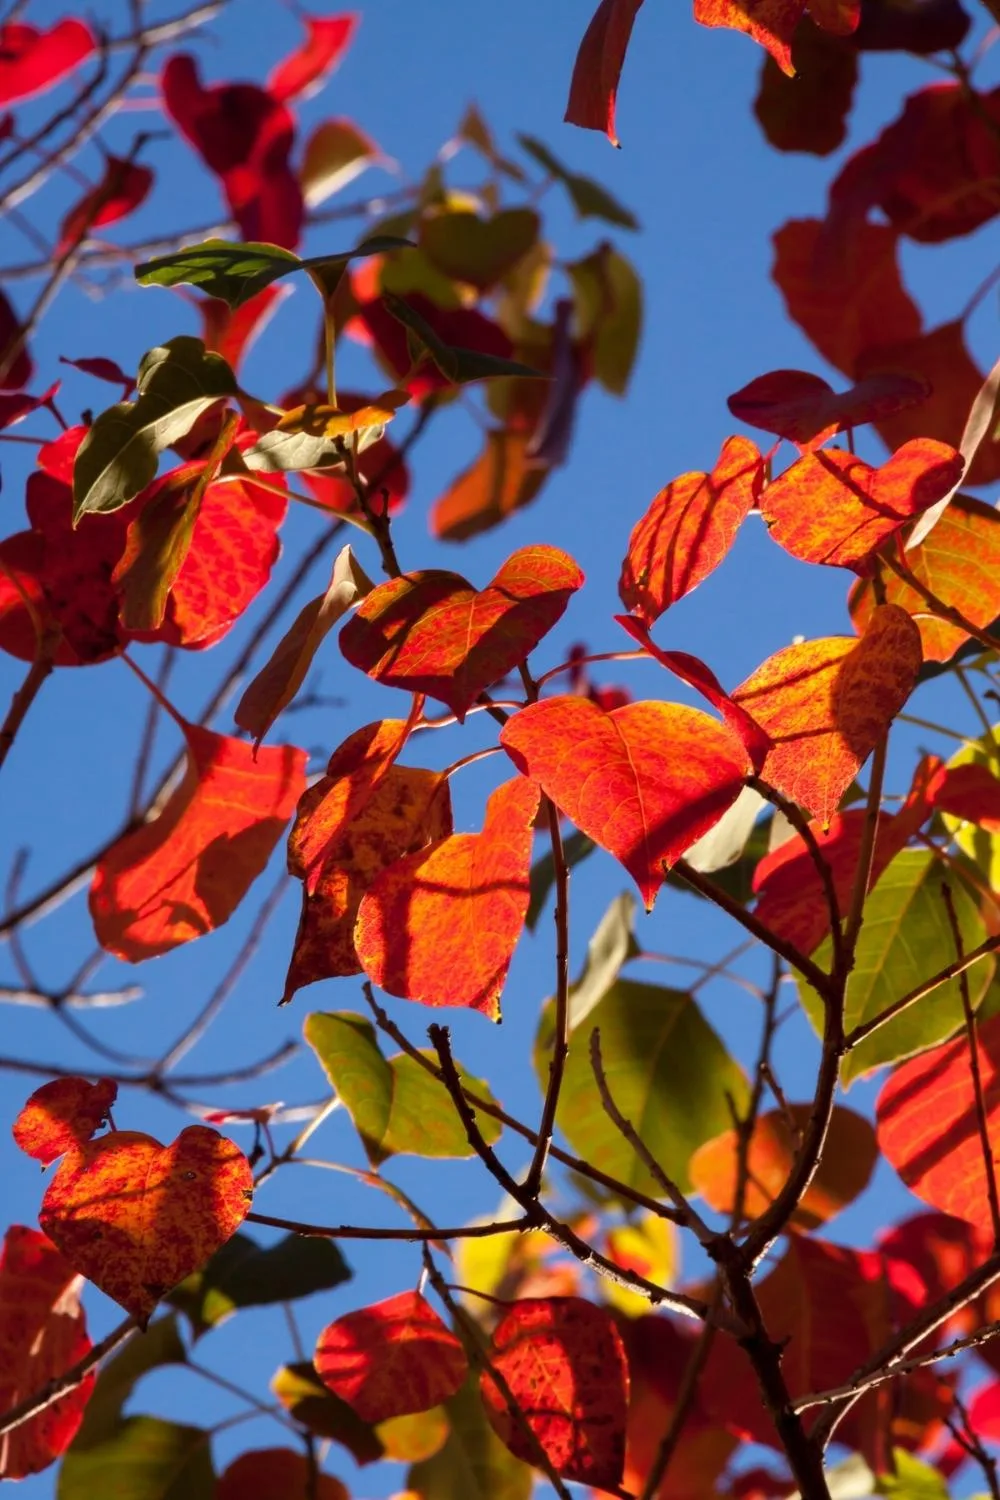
[(307, 68), (806, 410), (929, 1254), (231, 332), (593, 88), (461, 328), (827, 703), (809, 112), (770, 23), (392, 1358), (927, 1128), (43, 1333), (440, 926), (929, 27), (658, 1353), (971, 792), (563, 1361), (245, 137), (185, 873), (644, 781), (501, 480), (432, 632), (32, 60), (688, 529), (831, 507), (136, 1217), (276, 1474), (124, 186), (103, 369), (62, 1116), (21, 368)]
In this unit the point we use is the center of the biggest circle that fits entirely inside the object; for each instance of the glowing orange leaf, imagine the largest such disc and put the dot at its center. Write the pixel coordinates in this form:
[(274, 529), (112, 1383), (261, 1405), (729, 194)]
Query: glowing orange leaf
[(440, 926), (43, 1332), (62, 1116), (564, 1363), (185, 873), (833, 508), (827, 703), (136, 1217), (644, 781), (688, 530), (593, 89), (501, 480), (926, 1121), (770, 23), (433, 632), (276, 1474), (392, 1358)]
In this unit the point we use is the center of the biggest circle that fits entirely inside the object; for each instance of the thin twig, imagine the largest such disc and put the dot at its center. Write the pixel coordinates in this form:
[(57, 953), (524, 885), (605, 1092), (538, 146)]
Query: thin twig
[(950, 971), (413, 1232), (899, 1367), (60, 1385), (686, 1392)]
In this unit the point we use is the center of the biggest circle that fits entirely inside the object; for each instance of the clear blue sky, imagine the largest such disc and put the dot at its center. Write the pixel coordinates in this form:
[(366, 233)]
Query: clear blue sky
[(708, 193)]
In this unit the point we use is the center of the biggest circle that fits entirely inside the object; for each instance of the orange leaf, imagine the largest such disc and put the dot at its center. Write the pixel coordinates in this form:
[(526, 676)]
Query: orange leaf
[(806, 410), (959, 562), (770, 23), (321, 420), (185, 873), (644, 781), (688, 530), (136, 1217), (43, 1332), (440, 926), (276, 1474), (564, 1363), (500, 481), (827, 703), (833, 508), (392, 1358), (593, 88), (433, 632), (848, 1159), (62, 1115), (926, 1120)]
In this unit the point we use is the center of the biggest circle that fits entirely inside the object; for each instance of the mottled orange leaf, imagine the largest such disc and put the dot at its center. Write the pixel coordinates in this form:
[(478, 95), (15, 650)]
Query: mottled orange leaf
[(644, 781), (318, 419), (959, 562), (593, 89), (497, 483), (770, 23), (392, 1358), (806, 410), (276, 1474), (186, 872), (63, 1115), (440, 926), (43, 1332), (831, 507), (971, 792), (688, 529), (564, 1363), (827, 703), (848, 1158), (432, 632), (926, 1121), (136, 1217)]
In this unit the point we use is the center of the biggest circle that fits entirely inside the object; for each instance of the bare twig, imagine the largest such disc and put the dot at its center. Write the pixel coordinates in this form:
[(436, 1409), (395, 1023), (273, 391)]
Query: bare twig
[(950, 971), (60, 1385), (413, 1232)]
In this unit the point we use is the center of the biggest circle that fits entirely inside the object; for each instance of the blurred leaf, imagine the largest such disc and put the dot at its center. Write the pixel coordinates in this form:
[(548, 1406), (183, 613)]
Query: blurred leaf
[(913, 1479), (473, 1464), (575, 849), (478, 251), (146, 1459), (415, 1437), (648, 1245), (458, 365), (245, 1274), (335, 153), (590, 200), (306, 1398), (608, 298), (159, 1345)]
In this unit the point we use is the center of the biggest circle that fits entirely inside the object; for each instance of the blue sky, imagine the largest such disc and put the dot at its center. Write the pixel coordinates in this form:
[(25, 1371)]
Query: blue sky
[(709, 193)]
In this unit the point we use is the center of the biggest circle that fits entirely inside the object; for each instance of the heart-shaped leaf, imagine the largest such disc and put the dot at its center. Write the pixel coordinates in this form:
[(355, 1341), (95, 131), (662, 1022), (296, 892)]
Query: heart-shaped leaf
[(276, 1474), (62, 1116)]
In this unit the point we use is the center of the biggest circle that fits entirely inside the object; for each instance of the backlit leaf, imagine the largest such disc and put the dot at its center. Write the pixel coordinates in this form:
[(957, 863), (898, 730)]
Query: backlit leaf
[(440, 926), (242, 1273), (457, 364), (123, 188), (62, 1116), (563, 1361), (33, 60), (276, 1474), (136, 1217), (644, 781), (651, 1247), (611, 946), (608, 307), (501, 480), (965, 787), (185, 873), (593, 88), (588, 197), (225, 269), (827, 703), (336, 152), (806, 410), (305, 70), (478, 252), (770, 23), (415, 1437), (391, 1358), (432, 632)]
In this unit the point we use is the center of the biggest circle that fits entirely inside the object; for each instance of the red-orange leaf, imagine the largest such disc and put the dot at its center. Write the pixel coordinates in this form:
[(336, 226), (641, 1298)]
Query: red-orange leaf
[(123, 188), (185, 873), (62, 1116), (827, 703), (806, 410), (770, 23), (304, 70), (433, 632), (136, 1217), (688, 529), (276, 1474), (971, 792), (563, 1361), (392, 1358), (43, 1332), (644, 781), (831, 507), (440, 926), (500, 481), (926, 1117), (593, 90)]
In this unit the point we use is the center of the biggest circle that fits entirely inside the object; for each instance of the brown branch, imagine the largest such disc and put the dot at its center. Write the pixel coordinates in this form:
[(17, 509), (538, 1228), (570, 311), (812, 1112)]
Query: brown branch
[(61, 1385), (898, 1368), (358, 1232), (950, 971)]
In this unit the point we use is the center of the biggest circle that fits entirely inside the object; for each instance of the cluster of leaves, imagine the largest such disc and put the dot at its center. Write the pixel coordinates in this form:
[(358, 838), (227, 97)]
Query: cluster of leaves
[(567, 1345)]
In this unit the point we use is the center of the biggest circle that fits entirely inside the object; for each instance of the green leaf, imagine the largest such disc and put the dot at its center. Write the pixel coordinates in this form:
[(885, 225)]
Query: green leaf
[(396, 1105), (473, 1464), (307, 1399), (983, 848), (611, 946), (459, 365), (479, 252), (590, 200), (913, 1479), (245, 1274), (608, 305), (543, 874), (159, 1345), (146, 1459), (177, 382), (281, 452), (226, 269), (668, 1073), (905, 939)]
